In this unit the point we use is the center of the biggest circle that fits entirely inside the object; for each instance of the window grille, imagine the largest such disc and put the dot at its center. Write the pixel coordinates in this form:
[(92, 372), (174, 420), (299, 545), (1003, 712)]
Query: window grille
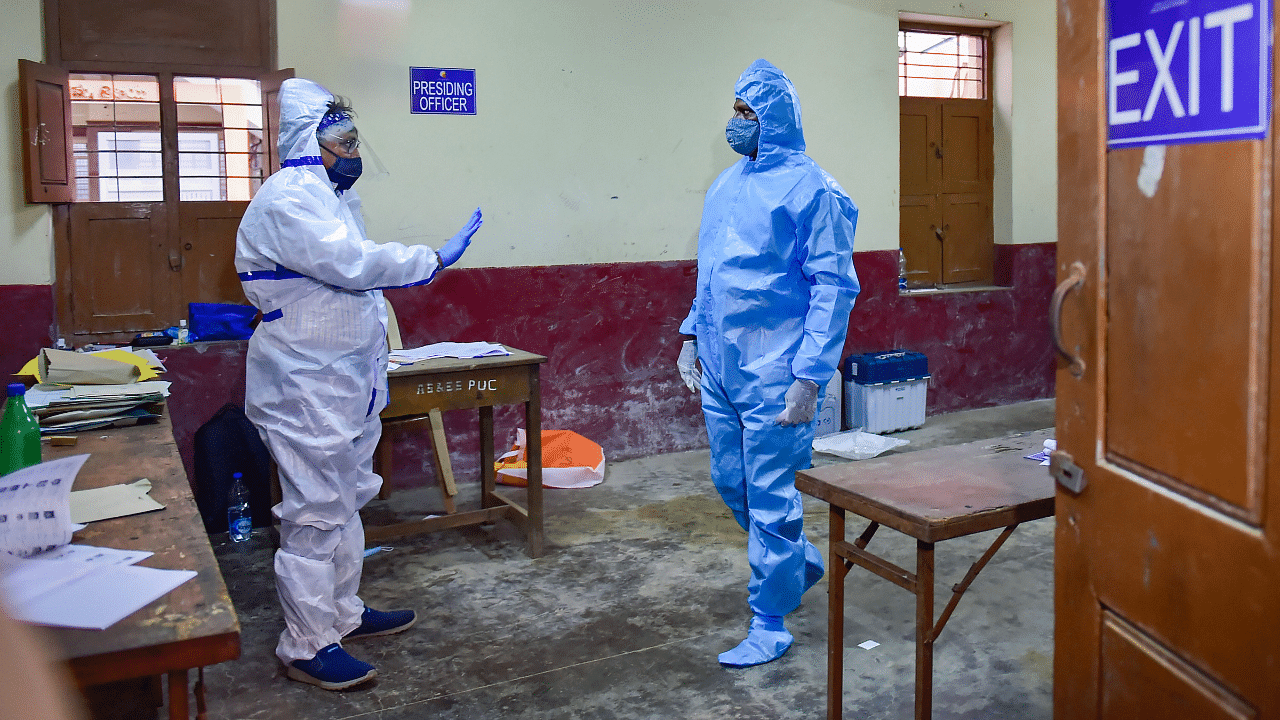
[(942, 64)]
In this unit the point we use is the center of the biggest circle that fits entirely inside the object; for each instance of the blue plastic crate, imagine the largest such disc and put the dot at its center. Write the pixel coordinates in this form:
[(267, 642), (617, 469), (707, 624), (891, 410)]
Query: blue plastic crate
[(885, 367)]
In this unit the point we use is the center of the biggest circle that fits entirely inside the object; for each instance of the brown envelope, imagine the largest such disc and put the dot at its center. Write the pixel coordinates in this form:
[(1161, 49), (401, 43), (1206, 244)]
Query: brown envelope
[(64, 367)]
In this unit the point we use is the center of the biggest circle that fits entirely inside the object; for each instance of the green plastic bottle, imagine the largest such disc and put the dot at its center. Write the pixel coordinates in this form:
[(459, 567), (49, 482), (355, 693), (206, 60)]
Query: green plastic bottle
[(19, 432)]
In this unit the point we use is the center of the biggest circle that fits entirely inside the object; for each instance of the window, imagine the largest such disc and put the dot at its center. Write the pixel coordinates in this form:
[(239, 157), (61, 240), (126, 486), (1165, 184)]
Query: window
[(946, 156), (935, 63), (118, 143), (148, 132)]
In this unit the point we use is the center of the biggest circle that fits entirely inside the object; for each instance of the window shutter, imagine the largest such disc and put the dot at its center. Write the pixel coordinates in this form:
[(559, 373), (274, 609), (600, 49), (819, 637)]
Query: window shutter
[(270, 84), (46, 133)]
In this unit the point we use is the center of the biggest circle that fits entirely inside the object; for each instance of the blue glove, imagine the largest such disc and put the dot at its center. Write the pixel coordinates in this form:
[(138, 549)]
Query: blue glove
[(457, 244)]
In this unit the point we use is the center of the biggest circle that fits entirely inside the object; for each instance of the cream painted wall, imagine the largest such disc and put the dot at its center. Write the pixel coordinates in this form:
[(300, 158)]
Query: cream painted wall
[(26, 235), (601, 122)]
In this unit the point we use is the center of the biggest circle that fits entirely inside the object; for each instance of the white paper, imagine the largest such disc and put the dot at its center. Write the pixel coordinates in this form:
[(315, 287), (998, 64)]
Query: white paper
[(112, 501), (856, 444), (42, 395), (101, 598), (448, 349), (35, 506), (95, 392), (868, 644), (25, 581)]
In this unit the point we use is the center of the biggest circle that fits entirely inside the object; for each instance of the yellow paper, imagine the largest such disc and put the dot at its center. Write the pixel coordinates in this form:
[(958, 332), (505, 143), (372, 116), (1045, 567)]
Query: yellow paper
[(147, 372), (32, 368)]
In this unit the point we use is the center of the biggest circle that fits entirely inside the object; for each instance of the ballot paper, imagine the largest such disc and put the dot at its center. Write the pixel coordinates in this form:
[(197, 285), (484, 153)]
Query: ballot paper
[(448, 349), (112, 501), (84, 587), (35, 507)]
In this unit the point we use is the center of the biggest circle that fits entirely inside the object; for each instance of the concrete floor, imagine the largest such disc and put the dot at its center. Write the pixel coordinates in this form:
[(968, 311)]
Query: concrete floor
[(643, 582)]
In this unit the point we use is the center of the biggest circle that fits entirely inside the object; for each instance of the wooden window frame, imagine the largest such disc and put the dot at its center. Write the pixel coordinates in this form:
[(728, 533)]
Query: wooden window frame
[(175, 237), (936, 273)]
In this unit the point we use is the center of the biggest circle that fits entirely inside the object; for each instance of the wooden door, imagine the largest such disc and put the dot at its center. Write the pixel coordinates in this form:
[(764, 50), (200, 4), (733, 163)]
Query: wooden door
[(121, 268), (1167, 565), (207, 235), (945, 177)]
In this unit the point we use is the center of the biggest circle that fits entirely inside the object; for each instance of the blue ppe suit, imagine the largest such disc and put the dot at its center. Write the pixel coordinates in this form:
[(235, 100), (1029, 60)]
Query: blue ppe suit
[(316, 369), (776, 285)]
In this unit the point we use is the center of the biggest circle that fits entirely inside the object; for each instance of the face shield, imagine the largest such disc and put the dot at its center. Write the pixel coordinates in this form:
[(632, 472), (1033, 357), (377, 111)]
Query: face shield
[(337, 131)]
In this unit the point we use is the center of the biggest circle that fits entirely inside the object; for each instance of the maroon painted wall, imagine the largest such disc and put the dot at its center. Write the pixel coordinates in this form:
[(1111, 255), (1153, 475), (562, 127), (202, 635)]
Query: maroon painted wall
[(610, 333), (28, 314)]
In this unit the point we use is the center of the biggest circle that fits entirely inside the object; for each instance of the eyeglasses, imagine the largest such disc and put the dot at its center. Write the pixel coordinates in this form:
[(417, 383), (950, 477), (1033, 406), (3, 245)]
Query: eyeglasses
[(348, 144)]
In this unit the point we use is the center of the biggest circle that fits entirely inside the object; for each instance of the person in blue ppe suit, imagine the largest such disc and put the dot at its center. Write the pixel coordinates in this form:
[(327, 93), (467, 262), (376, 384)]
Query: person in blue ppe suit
[(776, 285), (316, 374)]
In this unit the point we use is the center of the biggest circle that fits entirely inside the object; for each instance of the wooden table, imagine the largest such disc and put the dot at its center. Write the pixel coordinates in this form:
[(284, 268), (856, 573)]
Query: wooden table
[(931, 495), (190, 627), (426, 388)]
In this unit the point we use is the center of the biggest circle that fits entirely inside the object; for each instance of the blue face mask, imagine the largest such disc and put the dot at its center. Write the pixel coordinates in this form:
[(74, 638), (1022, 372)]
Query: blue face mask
[(743, 135), (345, 172)]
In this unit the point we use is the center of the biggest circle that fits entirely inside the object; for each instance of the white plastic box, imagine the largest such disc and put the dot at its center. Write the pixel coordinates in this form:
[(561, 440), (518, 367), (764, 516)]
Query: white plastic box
[(829, 416), (885, 407)]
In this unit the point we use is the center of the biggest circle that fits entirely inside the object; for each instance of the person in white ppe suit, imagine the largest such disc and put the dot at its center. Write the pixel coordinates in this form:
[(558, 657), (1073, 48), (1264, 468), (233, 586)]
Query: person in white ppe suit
[(316, 374), (776, 285)]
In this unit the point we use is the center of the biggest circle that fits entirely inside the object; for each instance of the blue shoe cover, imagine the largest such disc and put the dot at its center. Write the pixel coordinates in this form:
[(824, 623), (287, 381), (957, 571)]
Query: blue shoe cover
[(332, 669), (813, 569), (812, 574), (767, 640), (375, 622)]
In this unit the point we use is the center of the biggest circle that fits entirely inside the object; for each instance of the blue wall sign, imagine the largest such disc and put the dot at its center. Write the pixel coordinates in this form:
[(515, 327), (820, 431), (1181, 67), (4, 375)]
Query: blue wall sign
[(1186, 71), (442, 91)]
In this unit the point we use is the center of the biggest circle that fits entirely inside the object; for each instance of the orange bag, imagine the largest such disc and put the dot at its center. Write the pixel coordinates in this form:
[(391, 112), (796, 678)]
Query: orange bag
[(568, 461)]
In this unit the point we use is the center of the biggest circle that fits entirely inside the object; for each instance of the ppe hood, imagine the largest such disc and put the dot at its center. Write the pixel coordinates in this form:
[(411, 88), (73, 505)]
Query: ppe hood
[(773, 98)]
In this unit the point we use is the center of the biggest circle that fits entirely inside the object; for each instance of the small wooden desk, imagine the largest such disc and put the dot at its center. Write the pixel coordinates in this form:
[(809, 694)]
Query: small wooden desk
[(192, 626), (931, 495), (454, 384)]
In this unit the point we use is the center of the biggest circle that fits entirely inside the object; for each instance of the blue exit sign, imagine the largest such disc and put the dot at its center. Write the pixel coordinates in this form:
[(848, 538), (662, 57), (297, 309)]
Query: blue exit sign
[(1185, 71), (442, 91)]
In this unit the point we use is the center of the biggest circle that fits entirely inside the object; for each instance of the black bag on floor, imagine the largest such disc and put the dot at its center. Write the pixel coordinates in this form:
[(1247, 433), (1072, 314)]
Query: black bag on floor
[(228, 444)]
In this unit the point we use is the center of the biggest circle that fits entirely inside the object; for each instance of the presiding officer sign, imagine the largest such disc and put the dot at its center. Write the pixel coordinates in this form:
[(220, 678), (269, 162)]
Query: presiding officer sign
[(442, 91), (1185, 71)]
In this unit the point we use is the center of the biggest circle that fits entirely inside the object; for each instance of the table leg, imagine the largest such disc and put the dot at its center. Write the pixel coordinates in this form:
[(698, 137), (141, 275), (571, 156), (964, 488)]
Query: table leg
[(837, 569), (533, 421), (178, 709), (924, 630), (487, 473)]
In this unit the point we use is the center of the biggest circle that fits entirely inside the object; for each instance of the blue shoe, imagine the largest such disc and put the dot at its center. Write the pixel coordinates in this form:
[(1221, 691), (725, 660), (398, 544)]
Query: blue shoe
[(767, 640), (332, 669), (375, 622)]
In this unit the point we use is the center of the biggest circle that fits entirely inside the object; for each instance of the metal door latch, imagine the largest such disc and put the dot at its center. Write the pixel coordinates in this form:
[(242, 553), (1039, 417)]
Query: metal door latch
[(1066, 472)]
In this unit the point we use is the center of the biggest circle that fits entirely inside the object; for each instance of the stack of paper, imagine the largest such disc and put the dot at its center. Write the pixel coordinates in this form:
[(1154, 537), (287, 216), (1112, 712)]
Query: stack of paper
[(35, 506), (81, 586), (69, 408), (448, 349)]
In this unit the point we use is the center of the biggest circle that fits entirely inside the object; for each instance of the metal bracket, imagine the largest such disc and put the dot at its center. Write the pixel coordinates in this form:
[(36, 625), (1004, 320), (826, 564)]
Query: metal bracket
[(1066, 472)]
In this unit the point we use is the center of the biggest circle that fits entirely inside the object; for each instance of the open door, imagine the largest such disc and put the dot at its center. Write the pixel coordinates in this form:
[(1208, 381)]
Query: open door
[(1167, 565)]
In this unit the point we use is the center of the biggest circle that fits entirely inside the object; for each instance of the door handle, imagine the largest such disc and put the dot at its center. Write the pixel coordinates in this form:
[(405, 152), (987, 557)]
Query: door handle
[(175, 259), (1073, 281), (937, 231)]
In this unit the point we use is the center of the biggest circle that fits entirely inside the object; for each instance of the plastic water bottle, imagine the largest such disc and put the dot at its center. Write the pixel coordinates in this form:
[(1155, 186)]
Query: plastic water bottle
[(19, 432), (902, 270), (239, 521)]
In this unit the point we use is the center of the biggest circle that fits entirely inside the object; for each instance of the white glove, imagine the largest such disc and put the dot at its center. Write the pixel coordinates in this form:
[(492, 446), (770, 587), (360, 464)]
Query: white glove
[(802, 403), (687, 363)]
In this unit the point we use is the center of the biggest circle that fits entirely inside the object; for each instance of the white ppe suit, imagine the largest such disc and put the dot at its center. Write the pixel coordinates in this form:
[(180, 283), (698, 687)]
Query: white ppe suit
[(316, 371)]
